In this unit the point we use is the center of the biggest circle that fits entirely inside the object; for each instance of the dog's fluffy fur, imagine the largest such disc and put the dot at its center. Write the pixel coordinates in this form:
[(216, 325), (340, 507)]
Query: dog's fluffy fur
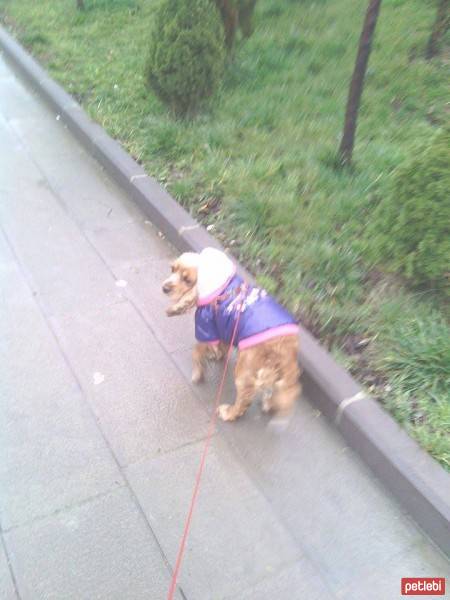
[(270, 368)]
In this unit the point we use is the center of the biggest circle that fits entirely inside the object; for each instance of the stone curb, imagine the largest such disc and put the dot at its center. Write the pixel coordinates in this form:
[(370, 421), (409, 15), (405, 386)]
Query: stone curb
[(409, 473)]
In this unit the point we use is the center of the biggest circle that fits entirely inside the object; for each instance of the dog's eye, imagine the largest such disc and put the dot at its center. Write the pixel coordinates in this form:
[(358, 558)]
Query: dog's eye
[(186, 278)]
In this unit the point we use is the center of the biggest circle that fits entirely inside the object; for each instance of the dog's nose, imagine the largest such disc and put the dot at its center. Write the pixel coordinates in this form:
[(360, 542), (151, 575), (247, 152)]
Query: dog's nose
[(166, 288)]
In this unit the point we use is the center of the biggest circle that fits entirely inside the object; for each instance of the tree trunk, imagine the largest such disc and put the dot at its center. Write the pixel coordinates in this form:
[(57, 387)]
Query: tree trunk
[(357, 83), (80, 4), (246, 8), (229, 15), (440, 27)]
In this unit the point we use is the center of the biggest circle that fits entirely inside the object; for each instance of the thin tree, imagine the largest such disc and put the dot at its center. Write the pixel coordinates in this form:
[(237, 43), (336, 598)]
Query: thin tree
[(80, 5), (440, 28), (234, 14), (357, 83), (229, 14), (245, 14)]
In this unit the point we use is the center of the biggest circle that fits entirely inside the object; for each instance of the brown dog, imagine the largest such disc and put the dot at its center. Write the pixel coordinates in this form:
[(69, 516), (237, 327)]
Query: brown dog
[(267, 336)]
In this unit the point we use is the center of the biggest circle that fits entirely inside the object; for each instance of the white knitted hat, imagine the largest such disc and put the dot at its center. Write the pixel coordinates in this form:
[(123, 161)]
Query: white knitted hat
[(215, 270)]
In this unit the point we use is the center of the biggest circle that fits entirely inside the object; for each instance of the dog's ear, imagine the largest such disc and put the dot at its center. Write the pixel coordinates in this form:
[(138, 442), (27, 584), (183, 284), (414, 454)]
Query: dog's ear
[(189, 276), (187, 301)]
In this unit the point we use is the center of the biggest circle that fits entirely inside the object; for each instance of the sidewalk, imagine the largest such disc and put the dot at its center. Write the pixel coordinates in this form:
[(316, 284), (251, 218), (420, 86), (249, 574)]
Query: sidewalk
[(101, 430)]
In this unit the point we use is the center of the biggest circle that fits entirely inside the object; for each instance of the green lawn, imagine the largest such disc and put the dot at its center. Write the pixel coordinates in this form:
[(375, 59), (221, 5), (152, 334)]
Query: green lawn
[(258, 166)]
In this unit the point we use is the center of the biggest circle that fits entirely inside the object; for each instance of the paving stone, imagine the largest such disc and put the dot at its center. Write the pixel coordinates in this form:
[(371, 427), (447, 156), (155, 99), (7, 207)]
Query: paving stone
[(9, 142), (67, 273), (5, 71), (235, 538), (51, 461), (144, 289), (329, 501), (7, 591), (87, 195), (52, 451), (34, 131), (420, 560), (17, 170), (141, 400), (7, 265), (101, 549), (297, 581), (32, 366), (77, 179), (37, 128), (125, 245), (14, 102)]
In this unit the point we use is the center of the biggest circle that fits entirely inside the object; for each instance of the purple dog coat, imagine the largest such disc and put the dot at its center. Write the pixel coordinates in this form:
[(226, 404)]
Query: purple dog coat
[(221, 295)]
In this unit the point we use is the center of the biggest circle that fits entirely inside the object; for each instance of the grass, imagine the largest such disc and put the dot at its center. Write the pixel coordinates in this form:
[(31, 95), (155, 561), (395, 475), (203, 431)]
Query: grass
[(258, 167)]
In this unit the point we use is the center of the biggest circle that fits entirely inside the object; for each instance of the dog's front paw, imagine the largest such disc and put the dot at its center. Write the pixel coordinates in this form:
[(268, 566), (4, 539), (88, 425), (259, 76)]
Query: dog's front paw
[(225, 413), (171, 312)]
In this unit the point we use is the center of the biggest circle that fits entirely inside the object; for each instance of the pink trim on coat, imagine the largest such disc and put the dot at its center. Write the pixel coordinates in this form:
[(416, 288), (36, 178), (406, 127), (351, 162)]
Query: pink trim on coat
[(253, 340)]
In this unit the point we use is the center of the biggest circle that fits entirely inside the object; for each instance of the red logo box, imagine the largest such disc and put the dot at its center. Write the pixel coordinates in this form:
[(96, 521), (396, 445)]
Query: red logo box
[(423, 586)]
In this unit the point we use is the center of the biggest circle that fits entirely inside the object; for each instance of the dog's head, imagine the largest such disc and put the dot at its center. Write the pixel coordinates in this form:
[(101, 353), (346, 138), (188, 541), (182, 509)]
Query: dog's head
[(196, 278), (181, 286)]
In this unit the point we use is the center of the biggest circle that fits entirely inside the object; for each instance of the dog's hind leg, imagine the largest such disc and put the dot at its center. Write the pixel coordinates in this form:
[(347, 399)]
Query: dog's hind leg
[(284, 397), (266, 400), (286, 390), (287, 387), (246, 391)]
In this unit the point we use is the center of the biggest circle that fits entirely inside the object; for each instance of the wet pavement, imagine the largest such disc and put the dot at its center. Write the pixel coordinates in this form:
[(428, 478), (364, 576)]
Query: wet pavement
[(101, 430)]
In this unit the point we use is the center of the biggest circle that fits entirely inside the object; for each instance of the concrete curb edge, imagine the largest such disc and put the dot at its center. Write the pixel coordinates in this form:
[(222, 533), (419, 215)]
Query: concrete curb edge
[(408, 472)]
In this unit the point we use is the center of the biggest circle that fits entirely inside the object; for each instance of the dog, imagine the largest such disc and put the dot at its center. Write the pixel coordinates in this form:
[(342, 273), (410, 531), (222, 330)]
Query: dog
[(266, 335)]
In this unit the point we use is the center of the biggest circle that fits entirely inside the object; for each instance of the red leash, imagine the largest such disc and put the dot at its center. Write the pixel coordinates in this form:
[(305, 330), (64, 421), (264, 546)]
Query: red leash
[(212, 425)]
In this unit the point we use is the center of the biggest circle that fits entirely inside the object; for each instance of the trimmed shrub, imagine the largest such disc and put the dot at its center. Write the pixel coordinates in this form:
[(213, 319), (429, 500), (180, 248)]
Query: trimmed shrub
[(411, 225), (187, 55)]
